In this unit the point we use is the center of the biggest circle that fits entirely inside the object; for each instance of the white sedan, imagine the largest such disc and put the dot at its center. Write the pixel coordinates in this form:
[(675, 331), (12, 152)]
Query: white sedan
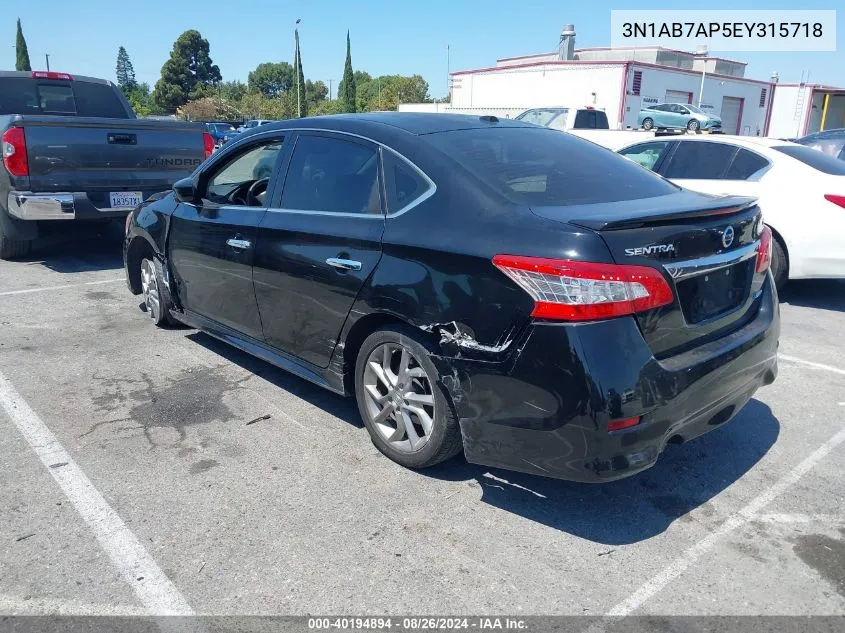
[(801, 192)]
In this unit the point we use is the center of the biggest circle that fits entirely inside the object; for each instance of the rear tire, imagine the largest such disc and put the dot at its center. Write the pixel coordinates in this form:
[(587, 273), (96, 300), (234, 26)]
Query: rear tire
[(648, 124), (399, 394), (693, 125), (780, 264), (12, 249)]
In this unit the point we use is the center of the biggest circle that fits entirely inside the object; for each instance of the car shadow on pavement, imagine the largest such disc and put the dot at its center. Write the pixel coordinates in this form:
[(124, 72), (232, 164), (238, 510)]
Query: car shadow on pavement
[(685, 478), (825, 294), (79, 247)]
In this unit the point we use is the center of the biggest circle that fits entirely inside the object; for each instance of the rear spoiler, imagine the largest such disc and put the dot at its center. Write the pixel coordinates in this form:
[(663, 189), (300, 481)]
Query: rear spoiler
[(728, 205)]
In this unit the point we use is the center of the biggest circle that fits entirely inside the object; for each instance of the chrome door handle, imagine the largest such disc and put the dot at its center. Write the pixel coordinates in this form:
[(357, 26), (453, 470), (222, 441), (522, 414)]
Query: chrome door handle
[(343, 264), (242, 244)]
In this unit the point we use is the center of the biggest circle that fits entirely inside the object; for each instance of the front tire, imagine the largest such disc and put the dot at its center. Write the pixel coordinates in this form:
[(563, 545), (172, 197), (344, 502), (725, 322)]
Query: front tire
[(155, 292), (648, 124), (407, 412), (693, 125)]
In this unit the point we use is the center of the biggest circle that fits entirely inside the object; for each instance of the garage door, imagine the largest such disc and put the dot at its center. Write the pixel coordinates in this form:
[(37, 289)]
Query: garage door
[(731, 111), (678, 96)]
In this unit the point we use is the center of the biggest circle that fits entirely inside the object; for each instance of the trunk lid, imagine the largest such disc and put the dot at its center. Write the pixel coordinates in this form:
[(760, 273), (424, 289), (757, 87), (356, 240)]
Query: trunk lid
[(704, 246), (98, 156)]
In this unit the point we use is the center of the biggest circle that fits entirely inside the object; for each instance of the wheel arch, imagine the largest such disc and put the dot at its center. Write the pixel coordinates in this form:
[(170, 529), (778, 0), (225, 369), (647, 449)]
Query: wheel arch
[(776, 234), (138, 248)]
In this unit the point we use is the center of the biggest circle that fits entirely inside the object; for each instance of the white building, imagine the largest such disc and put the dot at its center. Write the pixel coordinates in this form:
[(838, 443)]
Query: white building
[(622, 80)]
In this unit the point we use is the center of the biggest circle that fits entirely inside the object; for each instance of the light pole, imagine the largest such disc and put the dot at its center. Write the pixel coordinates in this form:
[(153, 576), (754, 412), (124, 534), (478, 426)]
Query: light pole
[(296, 63), (47, 57), (702, 50)]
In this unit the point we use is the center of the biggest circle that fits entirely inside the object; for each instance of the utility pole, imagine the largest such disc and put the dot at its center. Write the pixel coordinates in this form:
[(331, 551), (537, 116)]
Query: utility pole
[(296, 68), (47, 56), (448, 76), (330, 89)]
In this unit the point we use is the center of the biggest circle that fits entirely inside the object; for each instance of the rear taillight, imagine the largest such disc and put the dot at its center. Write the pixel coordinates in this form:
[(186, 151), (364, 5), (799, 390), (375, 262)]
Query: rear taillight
[(837, 200), (579, 291), (764, 250), (14, 152), (208, 143), (627, 423), (49, 74)]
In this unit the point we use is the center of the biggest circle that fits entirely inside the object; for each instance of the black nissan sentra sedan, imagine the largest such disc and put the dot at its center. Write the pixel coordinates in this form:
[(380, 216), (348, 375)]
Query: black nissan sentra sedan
[(479, 285)]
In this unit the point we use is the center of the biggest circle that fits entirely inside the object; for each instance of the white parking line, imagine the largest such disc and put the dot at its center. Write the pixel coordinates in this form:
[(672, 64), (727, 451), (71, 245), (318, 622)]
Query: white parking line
[(735, 521), (47, 288), (809, 363), (128, 555)]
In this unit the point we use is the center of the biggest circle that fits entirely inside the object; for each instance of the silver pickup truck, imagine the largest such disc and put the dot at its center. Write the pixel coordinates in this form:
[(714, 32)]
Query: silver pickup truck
[(73, 150)]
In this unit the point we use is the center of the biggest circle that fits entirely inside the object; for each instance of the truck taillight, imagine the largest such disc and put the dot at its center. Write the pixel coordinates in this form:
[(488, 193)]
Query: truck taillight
[(580, 291), (764, 250), (14, 152), (49, 74), (208, 143)]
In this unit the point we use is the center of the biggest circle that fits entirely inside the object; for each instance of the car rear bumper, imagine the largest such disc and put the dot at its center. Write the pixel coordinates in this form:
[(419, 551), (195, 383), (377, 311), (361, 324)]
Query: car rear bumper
[(59, 206), (546, 409)]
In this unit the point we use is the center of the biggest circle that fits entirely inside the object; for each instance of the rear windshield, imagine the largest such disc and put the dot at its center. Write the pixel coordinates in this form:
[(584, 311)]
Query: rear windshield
[(546, 167), (24, 95), (814, 158)]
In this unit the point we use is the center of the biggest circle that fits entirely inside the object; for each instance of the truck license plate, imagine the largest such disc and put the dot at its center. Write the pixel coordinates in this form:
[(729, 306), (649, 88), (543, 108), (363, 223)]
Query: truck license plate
[(126, 199)]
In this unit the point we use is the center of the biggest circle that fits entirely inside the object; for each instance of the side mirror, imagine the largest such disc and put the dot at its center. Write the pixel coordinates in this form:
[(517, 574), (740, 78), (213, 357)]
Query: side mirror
[(185, 190)]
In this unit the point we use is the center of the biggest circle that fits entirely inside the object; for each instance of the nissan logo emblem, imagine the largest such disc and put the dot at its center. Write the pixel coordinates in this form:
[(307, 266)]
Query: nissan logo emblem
[(728, 237)]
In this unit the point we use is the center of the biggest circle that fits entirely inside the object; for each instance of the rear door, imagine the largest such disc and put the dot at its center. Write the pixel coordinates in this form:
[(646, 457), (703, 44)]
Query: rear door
[(211, 244), (319, 243)]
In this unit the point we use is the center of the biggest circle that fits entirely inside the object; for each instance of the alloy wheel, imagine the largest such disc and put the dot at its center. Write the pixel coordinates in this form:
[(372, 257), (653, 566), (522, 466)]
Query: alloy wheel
[(399, 397), (149, 288)]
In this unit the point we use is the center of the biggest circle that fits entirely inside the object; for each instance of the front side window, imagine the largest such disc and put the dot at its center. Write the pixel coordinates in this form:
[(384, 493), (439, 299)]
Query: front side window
[(699, 161), (645, 154), (243, 178), (332, 175)]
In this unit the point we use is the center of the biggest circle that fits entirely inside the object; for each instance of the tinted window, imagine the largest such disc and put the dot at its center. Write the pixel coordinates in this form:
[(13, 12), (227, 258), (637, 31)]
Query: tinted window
[(331, 174), (404, 184), (590, 119), (699, 161), (98, 100), (645, 154), (745, 165), (230, 181), (544, 167), (814, 159), (831, 145), (23, 95)]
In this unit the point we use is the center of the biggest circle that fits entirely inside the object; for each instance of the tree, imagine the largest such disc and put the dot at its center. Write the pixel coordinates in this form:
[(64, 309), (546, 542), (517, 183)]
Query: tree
[(271, 80), (233, 90), (302, 105), (346, 90), (315, 91), (125, 72), (139, 99), (188, 74), (21, 52), (209, 108)]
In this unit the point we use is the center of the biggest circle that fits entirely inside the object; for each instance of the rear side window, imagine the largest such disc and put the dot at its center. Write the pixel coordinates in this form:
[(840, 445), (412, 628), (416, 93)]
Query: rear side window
[(645, 154), (813, 158), (332, 175), (404, 184), (699, 161), (544, 167), (745, 164), (23, 95), (539, 117)]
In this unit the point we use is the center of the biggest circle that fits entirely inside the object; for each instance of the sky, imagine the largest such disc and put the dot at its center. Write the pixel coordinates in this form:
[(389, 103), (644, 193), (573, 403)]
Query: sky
[(388, 37)]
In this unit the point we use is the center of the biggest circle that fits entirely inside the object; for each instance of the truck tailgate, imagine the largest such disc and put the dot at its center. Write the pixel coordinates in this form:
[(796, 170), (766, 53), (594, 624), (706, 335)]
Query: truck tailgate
[(100, 155)]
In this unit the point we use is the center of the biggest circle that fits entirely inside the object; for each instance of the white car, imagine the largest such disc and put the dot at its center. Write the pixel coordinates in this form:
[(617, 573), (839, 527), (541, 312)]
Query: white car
[(801, 192)]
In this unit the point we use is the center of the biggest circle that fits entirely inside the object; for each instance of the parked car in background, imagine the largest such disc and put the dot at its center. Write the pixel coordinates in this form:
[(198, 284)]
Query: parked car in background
[(471, 280), (831, 142), (74, 151), (221, 132), (253, 123), (801, 192), (566, 118), (678, 116)]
